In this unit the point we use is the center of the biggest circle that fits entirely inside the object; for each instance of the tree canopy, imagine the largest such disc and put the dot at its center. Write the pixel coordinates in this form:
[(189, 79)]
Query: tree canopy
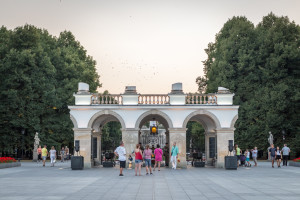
[(39, 74), (260, 64)]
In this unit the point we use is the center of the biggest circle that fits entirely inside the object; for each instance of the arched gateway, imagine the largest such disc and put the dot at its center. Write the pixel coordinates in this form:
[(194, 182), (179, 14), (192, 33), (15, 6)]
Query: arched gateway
[(174, 110)]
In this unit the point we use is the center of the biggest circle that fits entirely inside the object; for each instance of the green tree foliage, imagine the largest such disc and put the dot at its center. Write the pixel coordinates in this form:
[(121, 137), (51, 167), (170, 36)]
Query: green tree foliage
[(195, 134), (260, 64), (39, 74), (111, 136)]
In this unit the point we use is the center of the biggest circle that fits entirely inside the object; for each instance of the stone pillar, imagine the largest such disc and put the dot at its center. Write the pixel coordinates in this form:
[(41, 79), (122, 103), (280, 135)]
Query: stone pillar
[(223, 135), (207, 136), (130, 137), (84, 135), (178, 135), (98, 135)]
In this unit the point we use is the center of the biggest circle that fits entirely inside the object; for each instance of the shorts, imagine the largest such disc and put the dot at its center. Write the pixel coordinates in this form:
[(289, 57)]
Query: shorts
[(44, 157), (272, 157), (148, 162), (238, 157), (122, 164), (254, 159), (138, 161), (247, 159), (278, 157)]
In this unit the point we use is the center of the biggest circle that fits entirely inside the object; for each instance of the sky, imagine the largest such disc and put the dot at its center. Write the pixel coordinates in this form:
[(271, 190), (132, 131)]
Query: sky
[(150, 44)]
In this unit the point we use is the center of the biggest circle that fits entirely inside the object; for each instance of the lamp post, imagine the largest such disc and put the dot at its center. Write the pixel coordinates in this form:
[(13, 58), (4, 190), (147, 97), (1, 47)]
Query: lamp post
[(23, 132)]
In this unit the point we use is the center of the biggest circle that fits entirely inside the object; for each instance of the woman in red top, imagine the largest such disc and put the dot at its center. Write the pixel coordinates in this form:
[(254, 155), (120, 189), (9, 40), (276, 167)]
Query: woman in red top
[(138, 159)]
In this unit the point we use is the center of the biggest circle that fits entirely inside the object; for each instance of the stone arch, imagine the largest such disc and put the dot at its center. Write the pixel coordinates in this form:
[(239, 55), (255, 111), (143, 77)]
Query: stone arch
[(74, 121), (208, 115), (106, 112), (233, 121), (154, 112)]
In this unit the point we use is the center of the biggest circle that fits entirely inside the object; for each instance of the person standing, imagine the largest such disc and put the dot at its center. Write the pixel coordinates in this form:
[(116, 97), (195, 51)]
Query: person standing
[(52, 156), (62, 154), (278, 156), (44, 154), (238, 152), (254, 155), (39, 153), (121, 153), (166, 154), (147, 157), (67, 153), (138, 159), (285, 154), (272, 151), (158, 157), (247, 154), (174, 155)]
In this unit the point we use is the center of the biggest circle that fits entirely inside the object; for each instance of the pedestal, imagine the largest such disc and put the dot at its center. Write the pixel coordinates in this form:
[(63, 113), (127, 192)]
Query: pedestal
[(34, 155), (84, 135), (230, 162), (178, 135), (223, 135), (130, 138)]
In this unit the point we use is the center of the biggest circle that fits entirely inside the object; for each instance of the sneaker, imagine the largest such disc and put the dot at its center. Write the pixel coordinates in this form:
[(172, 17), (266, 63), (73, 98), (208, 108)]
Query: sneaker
[(151, 174), (121, 175), (272, 166), (147, 173)]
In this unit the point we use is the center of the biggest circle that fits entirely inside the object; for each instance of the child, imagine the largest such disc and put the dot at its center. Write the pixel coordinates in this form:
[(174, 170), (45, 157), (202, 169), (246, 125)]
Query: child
[(247, 154)]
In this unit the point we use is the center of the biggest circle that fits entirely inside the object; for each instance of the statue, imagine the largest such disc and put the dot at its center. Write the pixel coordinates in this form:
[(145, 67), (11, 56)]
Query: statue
[(36, 144), (270, 140)]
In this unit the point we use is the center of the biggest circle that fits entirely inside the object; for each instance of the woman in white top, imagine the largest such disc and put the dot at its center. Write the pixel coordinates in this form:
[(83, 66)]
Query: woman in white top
[(278, 156), (52, 155)]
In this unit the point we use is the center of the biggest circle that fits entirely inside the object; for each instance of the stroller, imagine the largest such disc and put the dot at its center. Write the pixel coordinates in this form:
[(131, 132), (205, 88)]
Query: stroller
[(242, 159)]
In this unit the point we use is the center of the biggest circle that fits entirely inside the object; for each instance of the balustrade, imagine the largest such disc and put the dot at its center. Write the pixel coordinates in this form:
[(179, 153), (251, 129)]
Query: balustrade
[(106, 99), (201, 99), (153, 99)]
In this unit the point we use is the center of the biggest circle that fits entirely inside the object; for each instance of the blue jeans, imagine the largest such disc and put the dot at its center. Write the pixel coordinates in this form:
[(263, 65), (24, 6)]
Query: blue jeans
[(148, 162), (138, 161)]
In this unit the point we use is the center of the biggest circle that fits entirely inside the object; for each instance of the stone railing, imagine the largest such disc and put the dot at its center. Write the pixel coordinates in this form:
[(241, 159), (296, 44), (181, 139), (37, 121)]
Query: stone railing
[(106, 99), (201, 99), (154, 99)]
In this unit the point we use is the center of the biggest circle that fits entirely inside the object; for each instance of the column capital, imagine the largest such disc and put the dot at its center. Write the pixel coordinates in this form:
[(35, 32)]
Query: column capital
[(225, 130), (96, 133), (177, 130), (130, 129), (82, 129)]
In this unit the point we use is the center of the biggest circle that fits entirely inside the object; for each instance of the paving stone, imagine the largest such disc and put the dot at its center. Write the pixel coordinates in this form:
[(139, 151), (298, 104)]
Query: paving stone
[(32, 181)]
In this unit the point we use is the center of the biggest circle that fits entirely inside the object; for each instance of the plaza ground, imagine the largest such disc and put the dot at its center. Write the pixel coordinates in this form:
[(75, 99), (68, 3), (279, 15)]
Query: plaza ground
[(32, 181)]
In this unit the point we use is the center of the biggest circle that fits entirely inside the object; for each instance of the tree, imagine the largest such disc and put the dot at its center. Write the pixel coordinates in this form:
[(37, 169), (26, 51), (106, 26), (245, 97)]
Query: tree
[(261, 66), (39, 74)]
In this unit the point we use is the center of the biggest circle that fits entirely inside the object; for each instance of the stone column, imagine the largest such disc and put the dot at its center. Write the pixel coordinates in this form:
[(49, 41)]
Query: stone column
[(207, 136), (98, 135), (223, 135), (130, 137), (178, 135), (84, 135)]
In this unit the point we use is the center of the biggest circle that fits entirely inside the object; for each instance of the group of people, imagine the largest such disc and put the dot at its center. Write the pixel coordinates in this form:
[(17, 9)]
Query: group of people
[(43, 154), (274, 153), (145, 155)]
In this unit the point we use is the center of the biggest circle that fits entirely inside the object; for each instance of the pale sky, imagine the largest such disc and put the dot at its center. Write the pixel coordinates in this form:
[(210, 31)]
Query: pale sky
[(146, 43)]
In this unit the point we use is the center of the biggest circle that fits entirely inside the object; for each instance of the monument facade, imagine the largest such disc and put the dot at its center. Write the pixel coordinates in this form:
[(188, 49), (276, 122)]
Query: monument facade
[(215, 112)]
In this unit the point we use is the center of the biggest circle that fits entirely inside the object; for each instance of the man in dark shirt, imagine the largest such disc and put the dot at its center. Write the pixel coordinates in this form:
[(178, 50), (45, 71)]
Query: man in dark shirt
[(272, 151)]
